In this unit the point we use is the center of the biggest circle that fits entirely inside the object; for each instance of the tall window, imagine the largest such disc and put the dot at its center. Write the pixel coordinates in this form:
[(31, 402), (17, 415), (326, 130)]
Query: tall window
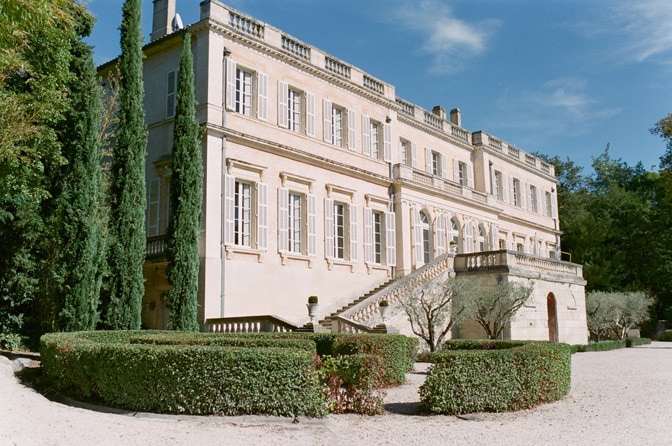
[(243, 214), (516, 197), (243, 99), (246, 213), (379, 237), (170, 94), (481, 239), (454, 235), (378, 218), (468, 238), (340, 230), (462, 173), (548, 201), (334, 124), (498, 185), (436, 163), (375, 139), (295, 217), (426, 242), (293, 110)]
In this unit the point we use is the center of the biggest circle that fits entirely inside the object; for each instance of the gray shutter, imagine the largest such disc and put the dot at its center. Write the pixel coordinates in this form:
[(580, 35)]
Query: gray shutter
[(354, 241), (283, 106), (283, 219), (312, 225), (328, 129), (414, 155), (229, 208), (230, 84), (329, 228), (310, 114), (366, 135), (368, 235), (262, 97), (352, 129), (390, 239), (440, 234), (153, 207), (387, 143), (262, 217)]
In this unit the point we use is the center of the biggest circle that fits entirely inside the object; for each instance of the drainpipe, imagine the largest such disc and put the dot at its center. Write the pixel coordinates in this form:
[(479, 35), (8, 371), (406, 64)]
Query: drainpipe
[(222, 198)]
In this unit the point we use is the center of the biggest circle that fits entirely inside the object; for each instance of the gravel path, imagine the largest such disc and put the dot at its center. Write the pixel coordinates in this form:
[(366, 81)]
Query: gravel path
[(617, 397)]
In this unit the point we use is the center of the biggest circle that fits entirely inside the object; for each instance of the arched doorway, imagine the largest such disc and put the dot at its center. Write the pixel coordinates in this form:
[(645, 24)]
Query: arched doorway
[(552, 311)]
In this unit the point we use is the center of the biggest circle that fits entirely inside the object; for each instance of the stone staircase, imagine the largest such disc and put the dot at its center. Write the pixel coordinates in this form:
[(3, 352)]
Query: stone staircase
[(327, 321)]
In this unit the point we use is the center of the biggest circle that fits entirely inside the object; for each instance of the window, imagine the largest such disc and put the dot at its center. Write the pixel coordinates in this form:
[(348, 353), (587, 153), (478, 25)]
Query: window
[(468, 238), (515, 193), (246, 91), (170, 95), (246, 213), (549, 209), (435, 163), (407, 155), (296, 109), (454, 234), (422, 236), (341, 230), (533, 200), (339, 125), (379, 237), (296, 222), (480, 241), (376, 139), (463, 173), (499, 186)]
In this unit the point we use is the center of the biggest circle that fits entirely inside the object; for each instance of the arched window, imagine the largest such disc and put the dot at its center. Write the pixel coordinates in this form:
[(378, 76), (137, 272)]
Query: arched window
[(426, 242), (468, 238), (454, 234)]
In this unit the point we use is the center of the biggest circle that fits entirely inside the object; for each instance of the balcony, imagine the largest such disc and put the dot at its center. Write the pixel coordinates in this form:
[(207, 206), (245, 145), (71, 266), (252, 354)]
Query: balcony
[(156, 247)]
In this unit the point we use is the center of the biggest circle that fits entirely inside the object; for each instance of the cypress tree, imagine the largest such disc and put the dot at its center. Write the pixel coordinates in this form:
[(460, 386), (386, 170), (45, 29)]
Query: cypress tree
[(127, 183), (79, 220), (186, 194)]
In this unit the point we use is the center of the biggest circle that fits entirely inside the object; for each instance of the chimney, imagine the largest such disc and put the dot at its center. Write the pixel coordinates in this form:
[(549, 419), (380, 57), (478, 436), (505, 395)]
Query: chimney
[(162, 23), (439, 111), (456, 117)]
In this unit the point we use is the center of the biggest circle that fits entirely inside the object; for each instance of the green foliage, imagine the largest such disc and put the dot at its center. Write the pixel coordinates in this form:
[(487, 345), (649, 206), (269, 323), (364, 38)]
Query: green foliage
[(186, 187), (666, 336), (437, 305), (496, 308), (125, 286), (253, 340), (600, 346), (613, 314), (394, 350), (494, 380), (353, 382), (189, 379), (634, 342)]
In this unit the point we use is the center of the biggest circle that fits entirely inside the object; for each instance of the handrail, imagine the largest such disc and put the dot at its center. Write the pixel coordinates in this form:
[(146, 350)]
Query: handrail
[(249, 324)]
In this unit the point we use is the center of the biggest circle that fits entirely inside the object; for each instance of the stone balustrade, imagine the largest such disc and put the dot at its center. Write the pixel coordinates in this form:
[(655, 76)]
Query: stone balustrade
[(246, 25), (249, 324), (494, 259), (156, 247)]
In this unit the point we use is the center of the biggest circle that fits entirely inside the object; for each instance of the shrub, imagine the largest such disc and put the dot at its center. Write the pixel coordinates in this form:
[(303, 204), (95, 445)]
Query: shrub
[(252, 340), (496, 378), (666, 336), (191, 379), (634, 342), (352, 383), (601, 346)]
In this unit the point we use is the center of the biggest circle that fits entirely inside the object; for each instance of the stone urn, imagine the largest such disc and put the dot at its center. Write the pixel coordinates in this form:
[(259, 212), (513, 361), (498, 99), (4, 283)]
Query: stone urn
[(312, 309), (383, 308)]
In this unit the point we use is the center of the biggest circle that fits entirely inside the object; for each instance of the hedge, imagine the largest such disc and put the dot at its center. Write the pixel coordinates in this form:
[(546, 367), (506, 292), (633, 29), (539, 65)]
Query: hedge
[(503, 376), (634, 342), (666, 336), (189, 379)]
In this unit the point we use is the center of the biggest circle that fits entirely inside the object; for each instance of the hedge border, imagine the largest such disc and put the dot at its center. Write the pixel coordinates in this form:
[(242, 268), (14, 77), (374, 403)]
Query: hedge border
[(487, 376)]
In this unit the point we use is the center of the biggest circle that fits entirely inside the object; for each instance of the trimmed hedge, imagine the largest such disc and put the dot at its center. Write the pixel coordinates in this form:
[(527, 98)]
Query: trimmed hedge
[(634, 342), (190, 379), (498, 376), (666, 336), (228, 340), (601, 346)]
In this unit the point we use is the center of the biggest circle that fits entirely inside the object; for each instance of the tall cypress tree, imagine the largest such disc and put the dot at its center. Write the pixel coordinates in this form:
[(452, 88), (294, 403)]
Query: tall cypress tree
[(79, 220), (127, 182), (186, 188)]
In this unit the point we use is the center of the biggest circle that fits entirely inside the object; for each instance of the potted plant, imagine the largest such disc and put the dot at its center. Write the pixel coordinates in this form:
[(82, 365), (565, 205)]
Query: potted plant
[(312, 308), (453, 246), (383, 307)]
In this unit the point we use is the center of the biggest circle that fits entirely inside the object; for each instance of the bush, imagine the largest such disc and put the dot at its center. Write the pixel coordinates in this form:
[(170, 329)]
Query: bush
[(634, 342), (396, 351), (601, 346), (666, 336), (352, 383), (190, 379), (252, 340), (499, 376)]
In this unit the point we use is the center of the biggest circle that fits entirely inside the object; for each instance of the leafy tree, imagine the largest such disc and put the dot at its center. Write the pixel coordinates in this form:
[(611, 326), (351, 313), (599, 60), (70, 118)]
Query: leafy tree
[(127, 182), (435, 307), (496, 308), (186, 185), (616, 313), (36, 39)]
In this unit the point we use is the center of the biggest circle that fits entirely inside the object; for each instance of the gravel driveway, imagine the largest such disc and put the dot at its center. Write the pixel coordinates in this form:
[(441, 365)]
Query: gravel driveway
[(619, 397)]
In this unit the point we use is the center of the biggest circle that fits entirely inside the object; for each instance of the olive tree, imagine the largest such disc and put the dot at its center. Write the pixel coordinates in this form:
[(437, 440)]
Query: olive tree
[(616, 313), (436, 306), (496, 308)]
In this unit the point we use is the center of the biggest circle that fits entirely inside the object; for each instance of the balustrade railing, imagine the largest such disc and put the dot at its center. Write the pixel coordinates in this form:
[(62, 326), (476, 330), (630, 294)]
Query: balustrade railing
[(406, 107), (295, 47), (459, 133), (492, 259), (374, 85), (246, 25), (338, 67), (249, 324), (156, 247), (433, 120)]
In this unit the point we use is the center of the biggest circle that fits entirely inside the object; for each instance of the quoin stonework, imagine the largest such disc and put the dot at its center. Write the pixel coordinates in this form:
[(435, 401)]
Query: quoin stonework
[(320, 181)]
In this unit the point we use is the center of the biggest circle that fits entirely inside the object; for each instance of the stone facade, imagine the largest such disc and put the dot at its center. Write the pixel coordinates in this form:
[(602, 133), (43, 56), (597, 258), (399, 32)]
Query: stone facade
[(319, 180)]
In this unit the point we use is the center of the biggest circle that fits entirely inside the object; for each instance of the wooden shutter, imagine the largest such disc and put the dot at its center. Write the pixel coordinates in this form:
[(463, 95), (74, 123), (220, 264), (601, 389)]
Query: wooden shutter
[(328, 125), (283, 106), (444, 166), (229, 208), (470, 175), (310, 114), (390, 239), (456, 171), (262, 217), (366, 135), (312, 225), (428, 161), (440, 234), (352, 130), (354, 241), (153, 207), (417, 232), (414, 155), (368, 235), (262, 97), (283, 219), (329, 228), (170, 95), (387, 143), (230, 84)]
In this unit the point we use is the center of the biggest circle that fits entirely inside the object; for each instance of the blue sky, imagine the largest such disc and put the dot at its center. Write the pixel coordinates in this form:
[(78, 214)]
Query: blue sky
[(562, 77)]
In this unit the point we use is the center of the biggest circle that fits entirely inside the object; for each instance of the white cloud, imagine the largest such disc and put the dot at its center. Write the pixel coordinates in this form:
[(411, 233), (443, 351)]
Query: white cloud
[(647, 27), (558, 107), (449, 40)]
